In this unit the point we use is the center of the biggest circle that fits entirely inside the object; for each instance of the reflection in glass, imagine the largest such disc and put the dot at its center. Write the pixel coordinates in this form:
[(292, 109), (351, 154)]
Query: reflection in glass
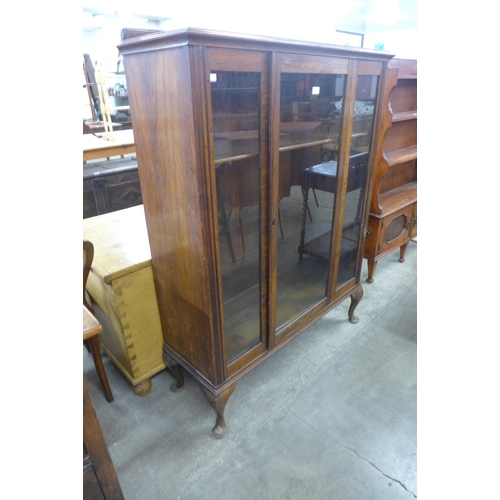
[(235, 114), (357, 176), (310, 113)]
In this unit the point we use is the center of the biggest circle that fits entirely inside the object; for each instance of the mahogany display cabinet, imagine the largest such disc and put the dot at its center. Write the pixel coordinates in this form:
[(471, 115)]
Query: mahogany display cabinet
[(254, 162), (392, 222)]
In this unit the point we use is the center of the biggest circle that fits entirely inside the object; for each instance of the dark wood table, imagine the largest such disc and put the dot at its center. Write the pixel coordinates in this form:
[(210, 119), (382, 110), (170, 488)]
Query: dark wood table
[(100, 480)]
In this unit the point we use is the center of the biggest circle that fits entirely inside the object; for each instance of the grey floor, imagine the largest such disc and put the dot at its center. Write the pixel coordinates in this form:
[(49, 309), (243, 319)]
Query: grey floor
[(332, 415)]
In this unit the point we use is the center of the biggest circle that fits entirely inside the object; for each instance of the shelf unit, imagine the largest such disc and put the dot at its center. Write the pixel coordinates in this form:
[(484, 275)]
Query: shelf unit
[(222, 165), (392, 222)]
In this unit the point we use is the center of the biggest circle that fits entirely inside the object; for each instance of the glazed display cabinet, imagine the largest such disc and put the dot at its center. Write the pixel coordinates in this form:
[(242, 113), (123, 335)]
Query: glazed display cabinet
[(255, 163)]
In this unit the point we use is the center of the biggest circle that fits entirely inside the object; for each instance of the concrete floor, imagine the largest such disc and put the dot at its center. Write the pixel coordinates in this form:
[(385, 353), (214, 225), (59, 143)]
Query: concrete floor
[(332, 415)]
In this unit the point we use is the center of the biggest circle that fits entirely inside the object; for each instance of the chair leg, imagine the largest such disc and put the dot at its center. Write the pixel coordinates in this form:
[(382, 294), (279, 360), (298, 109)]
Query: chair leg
[(229, 241), (315, 198), (224, 224), (242, 234), (99, 366), (309, 213), (279, 221), (86, 343)]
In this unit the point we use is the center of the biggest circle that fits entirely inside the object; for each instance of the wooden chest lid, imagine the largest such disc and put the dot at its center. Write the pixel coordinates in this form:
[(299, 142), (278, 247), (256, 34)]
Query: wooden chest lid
[(121, 244)]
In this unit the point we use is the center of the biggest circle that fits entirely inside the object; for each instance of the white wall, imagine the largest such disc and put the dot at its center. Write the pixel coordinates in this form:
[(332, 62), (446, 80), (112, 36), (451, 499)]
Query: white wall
[(380, 20), (402, 43), (392, 22)]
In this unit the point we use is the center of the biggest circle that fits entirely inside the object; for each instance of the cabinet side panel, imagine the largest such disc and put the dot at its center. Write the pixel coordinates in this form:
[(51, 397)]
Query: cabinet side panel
[(159, 87)]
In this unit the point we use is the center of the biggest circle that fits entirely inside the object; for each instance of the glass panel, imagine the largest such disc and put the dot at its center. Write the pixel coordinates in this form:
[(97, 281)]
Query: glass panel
[(235, 115), (364, 109), (311, 107)]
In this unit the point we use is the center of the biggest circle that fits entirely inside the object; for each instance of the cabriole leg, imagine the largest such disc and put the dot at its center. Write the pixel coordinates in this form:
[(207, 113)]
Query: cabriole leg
[(218, 403), (175, 369), (355, 298)]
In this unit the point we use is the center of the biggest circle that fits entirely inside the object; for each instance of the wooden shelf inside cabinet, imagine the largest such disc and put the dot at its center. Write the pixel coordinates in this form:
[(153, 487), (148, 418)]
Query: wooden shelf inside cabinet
[(398, 198), (401, 155), (402, 116)]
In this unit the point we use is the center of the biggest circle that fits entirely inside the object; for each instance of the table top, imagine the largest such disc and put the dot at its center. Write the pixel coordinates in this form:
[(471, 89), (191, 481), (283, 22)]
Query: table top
[(91, 326), (328, 169), (95, 147), (121, 244)]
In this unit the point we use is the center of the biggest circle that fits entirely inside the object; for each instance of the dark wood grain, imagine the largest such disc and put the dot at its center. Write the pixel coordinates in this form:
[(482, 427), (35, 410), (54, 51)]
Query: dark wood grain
[(216, 174), (100, 478), (174, 199)]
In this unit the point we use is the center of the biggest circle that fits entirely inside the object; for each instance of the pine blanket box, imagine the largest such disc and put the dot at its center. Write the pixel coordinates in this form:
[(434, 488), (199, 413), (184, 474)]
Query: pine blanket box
[(122, 291)]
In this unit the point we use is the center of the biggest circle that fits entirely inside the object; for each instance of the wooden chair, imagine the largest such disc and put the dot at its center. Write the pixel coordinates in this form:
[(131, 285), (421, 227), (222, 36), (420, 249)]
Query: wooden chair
[(361, 134), (223, 217), (331, 148), (237, 187), (91, 84), (303, 116), (93, 342)]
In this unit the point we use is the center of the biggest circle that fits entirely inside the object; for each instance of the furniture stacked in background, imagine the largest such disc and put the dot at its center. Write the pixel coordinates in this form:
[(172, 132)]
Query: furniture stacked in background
[(393, 211), (100, 481), (120, 283), (111, 183), (226, 207), (119, 101), (121, 287)]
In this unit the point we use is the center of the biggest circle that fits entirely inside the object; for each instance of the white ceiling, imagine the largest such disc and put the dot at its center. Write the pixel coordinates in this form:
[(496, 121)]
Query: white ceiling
[(352, 15)]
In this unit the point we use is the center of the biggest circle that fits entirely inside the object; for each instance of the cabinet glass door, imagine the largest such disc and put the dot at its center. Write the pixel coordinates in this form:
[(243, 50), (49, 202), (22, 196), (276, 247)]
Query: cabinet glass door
[(311, 107), (357, 177), (236, 104)]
